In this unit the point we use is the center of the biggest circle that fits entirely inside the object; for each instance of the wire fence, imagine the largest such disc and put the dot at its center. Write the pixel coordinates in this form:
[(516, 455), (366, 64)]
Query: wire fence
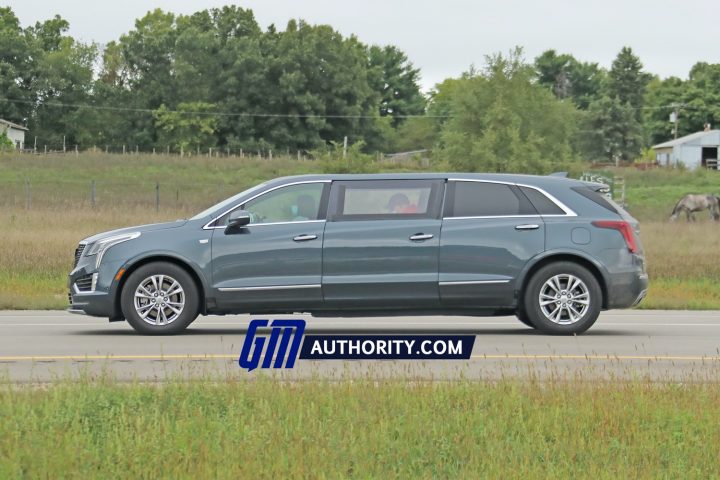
[(33, 194), (128, 149)]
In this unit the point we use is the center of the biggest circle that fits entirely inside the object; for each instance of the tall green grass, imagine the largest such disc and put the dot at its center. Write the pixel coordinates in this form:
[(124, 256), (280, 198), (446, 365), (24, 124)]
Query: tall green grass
[(364, 429)]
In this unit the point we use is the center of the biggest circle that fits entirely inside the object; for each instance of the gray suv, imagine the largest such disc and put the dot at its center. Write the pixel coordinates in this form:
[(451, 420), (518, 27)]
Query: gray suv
[(553, 251)]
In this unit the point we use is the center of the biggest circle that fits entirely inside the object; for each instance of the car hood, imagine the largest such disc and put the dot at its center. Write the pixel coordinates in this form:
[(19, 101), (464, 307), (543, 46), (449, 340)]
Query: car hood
[(140, 228)]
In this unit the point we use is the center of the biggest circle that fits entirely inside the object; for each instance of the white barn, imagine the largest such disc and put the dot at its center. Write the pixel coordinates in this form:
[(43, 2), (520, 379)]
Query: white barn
[(695, 150), (15, 132)]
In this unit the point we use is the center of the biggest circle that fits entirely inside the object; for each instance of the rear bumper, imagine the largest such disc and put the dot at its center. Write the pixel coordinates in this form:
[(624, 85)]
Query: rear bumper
[(627, 289)]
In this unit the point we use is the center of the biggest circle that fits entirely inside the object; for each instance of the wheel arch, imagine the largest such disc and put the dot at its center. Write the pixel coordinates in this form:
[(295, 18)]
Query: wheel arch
[(185, 265), (590, 264)]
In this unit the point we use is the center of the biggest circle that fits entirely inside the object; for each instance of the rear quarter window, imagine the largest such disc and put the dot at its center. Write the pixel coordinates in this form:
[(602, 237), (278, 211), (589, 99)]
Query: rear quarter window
[(597, 198), (542, 204)]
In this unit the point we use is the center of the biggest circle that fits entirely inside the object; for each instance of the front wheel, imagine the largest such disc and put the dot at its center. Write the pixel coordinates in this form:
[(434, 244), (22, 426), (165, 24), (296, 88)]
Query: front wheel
[(562, 298), (523, 317), (159, 298)]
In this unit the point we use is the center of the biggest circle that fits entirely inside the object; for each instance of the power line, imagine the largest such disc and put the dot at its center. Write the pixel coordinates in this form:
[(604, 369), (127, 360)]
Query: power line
[(219, 114)]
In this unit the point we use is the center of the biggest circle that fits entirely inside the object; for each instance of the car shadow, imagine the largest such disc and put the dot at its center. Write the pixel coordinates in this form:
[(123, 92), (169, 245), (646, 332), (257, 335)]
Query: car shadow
[(242, 330)]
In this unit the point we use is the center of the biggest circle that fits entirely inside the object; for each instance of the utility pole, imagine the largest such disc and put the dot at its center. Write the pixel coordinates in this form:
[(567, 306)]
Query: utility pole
[(675, 117)]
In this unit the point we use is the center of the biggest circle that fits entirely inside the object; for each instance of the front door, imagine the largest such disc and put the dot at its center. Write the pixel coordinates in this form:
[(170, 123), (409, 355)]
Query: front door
[(275, 262), (381, 244)]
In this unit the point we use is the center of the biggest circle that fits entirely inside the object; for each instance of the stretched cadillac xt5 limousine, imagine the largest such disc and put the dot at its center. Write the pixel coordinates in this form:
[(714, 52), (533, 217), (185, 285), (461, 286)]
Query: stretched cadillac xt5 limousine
[(553, 251)]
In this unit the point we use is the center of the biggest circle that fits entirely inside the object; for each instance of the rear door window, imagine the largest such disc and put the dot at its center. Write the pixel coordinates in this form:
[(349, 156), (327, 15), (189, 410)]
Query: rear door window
[(385, 199)]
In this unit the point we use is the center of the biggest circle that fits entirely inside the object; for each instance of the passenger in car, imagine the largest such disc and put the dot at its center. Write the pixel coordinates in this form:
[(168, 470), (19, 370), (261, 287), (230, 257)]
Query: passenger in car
[(400, 203), (306, 208)]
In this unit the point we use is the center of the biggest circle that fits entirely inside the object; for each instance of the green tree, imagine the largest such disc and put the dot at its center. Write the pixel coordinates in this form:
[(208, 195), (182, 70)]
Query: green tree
[(568, 78), (191, 126), (393, 75), (702, 97), (613, 124), (18, 60), (627, 80), (503, 121), (317, 85), (611, 132), (660, 96), (5, 143)]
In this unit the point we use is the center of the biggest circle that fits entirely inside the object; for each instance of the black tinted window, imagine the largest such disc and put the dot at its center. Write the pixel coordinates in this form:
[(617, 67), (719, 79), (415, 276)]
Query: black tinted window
[(479, 199), (542, 204), (596, 197)]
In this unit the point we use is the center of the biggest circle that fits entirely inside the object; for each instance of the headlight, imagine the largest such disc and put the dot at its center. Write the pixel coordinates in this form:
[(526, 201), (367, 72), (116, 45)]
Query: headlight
[(101, 246)]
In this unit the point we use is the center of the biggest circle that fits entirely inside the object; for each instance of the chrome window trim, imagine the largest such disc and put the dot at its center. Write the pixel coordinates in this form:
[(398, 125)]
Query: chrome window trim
[(269, 287), (208, 227), (497, 216), (473, 282), (568, 211), (271, 223)]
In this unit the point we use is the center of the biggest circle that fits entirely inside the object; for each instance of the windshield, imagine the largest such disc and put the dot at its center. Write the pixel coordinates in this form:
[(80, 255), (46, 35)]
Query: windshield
[(227, 203)]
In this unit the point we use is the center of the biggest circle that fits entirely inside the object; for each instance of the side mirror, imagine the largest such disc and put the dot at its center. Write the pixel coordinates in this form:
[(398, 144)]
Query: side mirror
[(238, 219)]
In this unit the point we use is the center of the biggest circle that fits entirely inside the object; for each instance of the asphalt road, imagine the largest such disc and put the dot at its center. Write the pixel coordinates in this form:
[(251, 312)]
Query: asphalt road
[(42, 346)]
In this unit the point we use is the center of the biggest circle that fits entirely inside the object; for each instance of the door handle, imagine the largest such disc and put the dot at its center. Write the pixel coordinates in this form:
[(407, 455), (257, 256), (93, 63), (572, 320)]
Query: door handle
[(529, 226), (418, 237), (304, 238)]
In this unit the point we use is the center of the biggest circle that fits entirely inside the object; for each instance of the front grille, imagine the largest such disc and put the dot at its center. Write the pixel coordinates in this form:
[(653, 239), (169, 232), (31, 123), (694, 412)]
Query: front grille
[(84, 284), (78, 253)]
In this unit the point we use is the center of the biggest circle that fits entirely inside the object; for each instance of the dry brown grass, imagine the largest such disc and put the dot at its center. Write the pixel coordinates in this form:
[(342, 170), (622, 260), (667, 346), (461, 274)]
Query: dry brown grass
[(683, 259), (682, 251)]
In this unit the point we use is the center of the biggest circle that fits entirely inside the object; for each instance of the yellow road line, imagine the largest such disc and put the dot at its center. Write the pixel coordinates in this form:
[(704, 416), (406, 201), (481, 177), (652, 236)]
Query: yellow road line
[(117, 357), (607, 357), (599, 357)]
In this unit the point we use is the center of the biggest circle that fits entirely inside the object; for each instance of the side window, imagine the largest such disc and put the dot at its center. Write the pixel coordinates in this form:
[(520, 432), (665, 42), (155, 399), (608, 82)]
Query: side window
[(294, 203), (542, 204), (385, 199), (481, 199)]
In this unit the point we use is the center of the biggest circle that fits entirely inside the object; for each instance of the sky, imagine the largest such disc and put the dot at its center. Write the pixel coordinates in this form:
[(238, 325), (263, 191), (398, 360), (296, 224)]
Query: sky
[(444, 37)]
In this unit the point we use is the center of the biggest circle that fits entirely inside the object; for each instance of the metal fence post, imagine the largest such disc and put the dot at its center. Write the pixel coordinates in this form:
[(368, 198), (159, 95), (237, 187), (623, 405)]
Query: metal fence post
[(28, 195), (157, 196)]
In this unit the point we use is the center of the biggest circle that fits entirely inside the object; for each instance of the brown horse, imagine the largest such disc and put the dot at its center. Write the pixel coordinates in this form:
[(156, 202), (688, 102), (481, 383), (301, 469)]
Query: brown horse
[(693, 202)]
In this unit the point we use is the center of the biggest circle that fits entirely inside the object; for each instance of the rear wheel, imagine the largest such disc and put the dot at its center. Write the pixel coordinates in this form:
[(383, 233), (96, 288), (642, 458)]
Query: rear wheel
[(562, 298), (159, 298)]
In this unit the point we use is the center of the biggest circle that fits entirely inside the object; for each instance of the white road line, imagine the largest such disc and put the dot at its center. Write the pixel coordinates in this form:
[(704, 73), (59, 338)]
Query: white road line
[(510, 356), (380, 324)]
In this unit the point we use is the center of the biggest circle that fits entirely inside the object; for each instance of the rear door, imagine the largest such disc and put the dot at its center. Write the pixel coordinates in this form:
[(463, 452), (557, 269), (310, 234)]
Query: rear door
[(381, 244), (490, 230)]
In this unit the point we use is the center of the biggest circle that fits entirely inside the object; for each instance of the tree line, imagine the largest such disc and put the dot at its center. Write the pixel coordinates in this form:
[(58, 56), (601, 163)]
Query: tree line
[(216, 79)]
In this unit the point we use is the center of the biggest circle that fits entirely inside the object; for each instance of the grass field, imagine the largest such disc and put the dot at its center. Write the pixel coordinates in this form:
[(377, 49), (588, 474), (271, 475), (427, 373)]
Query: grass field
[(684, 259), (266, 429)]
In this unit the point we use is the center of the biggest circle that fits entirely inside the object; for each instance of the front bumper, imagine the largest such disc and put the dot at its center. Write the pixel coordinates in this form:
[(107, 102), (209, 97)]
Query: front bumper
[(96, 304), (99, 299)]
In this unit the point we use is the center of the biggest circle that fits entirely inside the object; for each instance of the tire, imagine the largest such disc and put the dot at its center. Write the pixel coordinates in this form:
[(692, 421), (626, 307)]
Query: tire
[(148, 311), (522, 316), (565, 311)]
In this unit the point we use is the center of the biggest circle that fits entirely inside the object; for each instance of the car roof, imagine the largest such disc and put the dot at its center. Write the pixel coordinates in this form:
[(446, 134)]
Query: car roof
[(538, 180)]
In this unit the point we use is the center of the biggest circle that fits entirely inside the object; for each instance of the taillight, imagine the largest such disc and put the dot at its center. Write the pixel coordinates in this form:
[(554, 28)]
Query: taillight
[(624, 228)]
